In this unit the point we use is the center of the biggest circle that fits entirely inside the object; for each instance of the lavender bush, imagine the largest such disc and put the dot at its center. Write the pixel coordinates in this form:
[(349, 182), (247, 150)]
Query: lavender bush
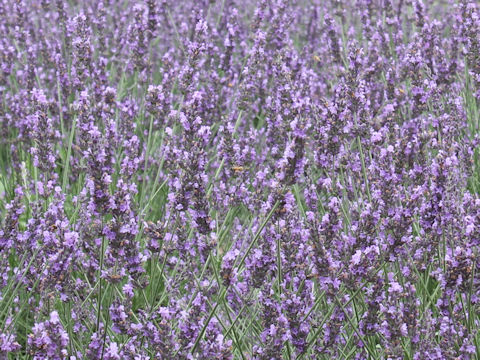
[(225, 179)]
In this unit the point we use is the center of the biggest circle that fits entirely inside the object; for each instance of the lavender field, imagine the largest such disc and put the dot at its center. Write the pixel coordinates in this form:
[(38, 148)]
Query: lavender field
[(237, 179)]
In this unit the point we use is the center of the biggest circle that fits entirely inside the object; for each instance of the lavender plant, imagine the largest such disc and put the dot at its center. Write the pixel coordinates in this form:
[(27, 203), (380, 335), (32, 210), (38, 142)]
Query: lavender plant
[(231, 179)]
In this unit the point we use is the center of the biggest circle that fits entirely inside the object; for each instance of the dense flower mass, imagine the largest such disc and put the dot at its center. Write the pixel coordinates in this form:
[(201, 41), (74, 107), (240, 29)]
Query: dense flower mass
[(236, 179)]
